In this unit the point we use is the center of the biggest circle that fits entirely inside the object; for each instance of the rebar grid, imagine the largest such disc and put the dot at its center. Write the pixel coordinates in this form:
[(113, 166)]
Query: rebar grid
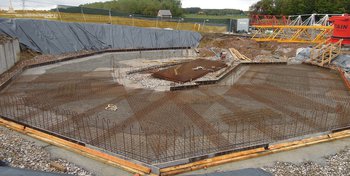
[(266, 104)]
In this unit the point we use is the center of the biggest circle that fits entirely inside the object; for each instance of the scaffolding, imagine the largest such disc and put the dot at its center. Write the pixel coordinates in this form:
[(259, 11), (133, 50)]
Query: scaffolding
[(325, 52)]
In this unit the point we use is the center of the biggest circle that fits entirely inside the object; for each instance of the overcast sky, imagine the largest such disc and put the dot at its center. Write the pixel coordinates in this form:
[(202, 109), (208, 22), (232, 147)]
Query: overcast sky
[(205, 4)]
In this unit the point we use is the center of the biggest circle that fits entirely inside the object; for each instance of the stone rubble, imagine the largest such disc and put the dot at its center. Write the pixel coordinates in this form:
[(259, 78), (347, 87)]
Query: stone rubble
[(21, 153), (334, 165), (147, 81)]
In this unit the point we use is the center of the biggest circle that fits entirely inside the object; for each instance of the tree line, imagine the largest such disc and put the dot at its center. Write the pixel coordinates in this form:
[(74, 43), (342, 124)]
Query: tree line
[(218, 12), (298, 7), (143, 7), (151, 7)]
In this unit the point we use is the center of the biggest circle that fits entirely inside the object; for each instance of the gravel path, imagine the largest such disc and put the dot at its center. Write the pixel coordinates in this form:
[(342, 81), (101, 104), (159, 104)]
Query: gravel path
[(20, 153), (335, 165)]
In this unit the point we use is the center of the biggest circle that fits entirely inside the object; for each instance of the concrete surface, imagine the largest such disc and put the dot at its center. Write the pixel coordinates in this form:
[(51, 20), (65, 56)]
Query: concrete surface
[(314, 153), (8, 55)]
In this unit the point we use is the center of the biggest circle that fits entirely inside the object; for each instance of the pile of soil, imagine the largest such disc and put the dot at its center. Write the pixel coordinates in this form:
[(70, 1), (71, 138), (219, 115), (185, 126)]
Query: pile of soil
[(28, 54), (247, 46), (190, 70), (25, 52), (4, 38)]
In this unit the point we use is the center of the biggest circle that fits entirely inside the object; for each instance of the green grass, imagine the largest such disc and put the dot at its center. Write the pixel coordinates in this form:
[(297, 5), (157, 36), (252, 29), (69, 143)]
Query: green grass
[(214, 16)]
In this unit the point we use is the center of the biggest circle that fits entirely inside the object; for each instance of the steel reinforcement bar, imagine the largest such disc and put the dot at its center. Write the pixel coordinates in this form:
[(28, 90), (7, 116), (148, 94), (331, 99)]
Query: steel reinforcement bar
[(8, 76)]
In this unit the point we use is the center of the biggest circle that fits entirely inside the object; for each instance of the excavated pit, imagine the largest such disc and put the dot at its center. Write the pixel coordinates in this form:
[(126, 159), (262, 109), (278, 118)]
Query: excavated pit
[(255, 105)]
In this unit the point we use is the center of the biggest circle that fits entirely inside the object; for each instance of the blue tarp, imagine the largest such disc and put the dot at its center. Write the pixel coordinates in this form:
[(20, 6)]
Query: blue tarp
[(52, 37)]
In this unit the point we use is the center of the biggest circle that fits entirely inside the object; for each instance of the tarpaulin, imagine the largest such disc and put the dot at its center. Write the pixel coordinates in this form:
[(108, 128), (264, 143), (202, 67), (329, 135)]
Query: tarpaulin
[(52, 37)]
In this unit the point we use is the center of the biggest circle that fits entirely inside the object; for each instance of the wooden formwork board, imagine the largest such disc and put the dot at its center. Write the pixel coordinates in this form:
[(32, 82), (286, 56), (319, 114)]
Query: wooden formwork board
[(85, 151), (243, 155)]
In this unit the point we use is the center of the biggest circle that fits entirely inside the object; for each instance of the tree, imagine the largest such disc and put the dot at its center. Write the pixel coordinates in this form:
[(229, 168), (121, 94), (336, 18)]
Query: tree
[(143, 7), (297, 7)]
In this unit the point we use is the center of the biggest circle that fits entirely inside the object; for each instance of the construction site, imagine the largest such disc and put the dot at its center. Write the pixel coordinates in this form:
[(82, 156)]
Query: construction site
[(166, 102)]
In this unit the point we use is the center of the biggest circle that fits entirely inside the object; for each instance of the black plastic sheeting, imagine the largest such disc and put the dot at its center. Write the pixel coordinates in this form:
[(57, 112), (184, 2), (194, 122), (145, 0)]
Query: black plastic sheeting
[(52, 37)]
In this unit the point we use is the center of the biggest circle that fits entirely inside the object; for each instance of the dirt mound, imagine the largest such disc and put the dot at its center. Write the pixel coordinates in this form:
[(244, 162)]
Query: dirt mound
[(189, 71), (4, 38), (246, 46)]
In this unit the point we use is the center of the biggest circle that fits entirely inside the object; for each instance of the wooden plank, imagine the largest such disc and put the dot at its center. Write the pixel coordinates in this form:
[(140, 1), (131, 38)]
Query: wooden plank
[(212, 160), (233, 54), (254, 153), (240, 56), (85, 151)]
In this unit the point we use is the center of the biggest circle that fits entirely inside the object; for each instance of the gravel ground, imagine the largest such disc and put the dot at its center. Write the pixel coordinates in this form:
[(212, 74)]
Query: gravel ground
[(334, 165), (20, 153)]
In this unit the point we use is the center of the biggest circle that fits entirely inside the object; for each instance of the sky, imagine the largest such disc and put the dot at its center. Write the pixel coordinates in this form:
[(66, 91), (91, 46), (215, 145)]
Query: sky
[(204, 4)]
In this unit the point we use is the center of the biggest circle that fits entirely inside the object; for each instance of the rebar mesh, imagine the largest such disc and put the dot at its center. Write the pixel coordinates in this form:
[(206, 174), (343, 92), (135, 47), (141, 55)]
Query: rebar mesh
[(267, 103)]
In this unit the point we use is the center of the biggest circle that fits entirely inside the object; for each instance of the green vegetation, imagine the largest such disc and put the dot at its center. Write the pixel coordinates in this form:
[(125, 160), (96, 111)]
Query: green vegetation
[(296, 7), (196, 12), (216, 12), (214, 16), (151, 8), (142, 7)]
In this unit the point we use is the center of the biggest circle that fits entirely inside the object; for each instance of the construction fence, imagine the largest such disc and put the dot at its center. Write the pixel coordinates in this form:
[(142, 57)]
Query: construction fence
[(89, 15)]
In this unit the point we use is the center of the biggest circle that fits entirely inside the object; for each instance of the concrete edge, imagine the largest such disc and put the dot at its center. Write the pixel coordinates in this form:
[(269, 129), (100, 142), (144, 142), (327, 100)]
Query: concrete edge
[(253, 153)]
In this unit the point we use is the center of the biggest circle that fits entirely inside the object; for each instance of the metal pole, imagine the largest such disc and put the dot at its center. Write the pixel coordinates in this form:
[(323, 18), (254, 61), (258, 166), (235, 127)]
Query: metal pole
[(82, 12), (110, 17), (59, 15), (204, 23), (178, 23), (133, 22), (157, 23)]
